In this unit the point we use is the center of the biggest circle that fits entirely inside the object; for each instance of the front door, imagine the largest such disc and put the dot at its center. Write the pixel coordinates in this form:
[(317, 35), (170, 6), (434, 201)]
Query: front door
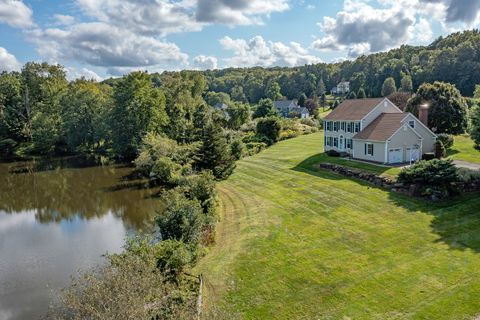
[(341, 143)]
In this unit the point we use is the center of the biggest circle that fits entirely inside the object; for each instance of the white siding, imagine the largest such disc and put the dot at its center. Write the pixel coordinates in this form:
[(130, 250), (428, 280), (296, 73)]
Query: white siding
[(404, 138), (378, 151), (428, 143)]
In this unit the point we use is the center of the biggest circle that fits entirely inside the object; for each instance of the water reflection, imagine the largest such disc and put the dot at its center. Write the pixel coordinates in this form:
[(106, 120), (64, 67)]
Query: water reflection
[(57, 218), (58, 193)]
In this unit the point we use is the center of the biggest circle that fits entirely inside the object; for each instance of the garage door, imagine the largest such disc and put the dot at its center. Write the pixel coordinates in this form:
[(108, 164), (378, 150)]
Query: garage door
[(413, 154), (395, 156)]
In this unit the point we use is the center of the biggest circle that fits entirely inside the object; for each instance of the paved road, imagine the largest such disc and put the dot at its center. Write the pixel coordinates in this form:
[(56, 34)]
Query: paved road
[(468, 165)]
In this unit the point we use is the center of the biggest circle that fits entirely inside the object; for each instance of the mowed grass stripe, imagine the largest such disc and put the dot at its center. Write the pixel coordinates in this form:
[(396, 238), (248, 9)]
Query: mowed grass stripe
[(314, 245)]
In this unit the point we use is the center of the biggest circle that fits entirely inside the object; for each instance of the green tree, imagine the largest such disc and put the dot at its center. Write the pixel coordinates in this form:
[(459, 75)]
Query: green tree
[(215, 153), (139, 108), (312, 106), (85, 107), (321, 89), (301, 100), (237, 94), (272, 91), (239, 113), (323, 101), (475, 131), (406, 84), (214, 98), (476, 94), (13, 120), (388, 87), (269, 128), (265, 108), (447, 111), (361, 94)]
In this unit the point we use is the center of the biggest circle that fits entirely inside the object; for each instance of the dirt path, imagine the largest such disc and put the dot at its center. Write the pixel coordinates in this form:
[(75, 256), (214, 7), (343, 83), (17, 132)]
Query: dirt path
[(468, 165)]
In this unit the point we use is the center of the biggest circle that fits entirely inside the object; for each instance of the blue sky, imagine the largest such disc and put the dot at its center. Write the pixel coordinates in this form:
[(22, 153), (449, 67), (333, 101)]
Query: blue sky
[(102, 38)]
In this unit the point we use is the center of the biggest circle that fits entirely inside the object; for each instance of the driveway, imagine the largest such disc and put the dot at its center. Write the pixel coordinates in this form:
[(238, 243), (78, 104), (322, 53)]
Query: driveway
[(468, 165)]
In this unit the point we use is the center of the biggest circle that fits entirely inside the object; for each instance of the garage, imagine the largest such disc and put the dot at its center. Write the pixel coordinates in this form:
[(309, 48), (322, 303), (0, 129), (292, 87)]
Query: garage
[(395, 155), (413, 154)]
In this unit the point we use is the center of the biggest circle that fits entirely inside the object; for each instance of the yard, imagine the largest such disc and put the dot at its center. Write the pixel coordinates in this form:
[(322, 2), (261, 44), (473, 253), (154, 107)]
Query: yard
[(296, 243), (463, 150)]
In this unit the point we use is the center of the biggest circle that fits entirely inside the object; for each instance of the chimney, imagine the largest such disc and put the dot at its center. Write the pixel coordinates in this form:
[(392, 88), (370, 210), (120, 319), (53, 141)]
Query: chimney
[(423, 114)]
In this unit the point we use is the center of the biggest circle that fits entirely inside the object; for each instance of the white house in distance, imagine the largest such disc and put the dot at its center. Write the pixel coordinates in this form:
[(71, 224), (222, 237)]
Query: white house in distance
[(286, 107), (377, 130), (342, 87)]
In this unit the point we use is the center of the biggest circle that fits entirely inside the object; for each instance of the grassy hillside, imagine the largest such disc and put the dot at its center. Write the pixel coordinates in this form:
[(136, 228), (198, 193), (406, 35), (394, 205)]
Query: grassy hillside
[(299, 244), (463, 150)]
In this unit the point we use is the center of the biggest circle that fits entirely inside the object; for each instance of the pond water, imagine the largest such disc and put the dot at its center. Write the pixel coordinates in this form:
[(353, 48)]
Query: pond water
[(58, 217)]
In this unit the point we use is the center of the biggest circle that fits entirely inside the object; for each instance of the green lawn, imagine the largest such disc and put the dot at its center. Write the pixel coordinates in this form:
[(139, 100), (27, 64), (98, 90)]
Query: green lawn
[(463, 150), (296, 243)]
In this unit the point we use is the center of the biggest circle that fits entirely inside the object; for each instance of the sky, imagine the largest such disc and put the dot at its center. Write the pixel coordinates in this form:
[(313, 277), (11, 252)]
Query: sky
[(103, 38)]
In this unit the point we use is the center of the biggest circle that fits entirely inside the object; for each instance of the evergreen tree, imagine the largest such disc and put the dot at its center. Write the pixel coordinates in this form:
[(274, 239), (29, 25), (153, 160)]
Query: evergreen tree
[(265, 108), (302, 99), (321, 89), (215, 153), (388, 87), (269, 128), (323, 101), (361, 94), (406, 84)]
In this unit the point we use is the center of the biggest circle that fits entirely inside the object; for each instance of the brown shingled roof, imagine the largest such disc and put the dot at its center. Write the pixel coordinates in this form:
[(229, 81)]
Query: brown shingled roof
[(354, 109), (382, 128)]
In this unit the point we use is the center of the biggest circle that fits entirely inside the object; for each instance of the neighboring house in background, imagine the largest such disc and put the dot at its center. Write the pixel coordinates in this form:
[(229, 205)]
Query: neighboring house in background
[(223, 107), (377, 130), (287, 107), (342, 87)]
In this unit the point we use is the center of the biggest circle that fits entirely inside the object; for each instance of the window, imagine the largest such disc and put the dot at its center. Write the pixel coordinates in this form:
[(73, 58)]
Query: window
[(342, 126), (369, 149), (357, 126), (349, 127), (348, 143), (335, 142), (335, 126), (411, 123)]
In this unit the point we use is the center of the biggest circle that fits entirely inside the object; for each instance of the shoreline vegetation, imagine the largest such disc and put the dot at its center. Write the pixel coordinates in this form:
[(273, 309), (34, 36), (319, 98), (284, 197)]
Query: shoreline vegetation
[(214, 140)]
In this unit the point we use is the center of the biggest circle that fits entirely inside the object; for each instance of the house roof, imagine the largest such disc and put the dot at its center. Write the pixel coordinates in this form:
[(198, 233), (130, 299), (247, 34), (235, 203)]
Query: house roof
[(353, 109), (304, 110), (382, 128), (221, 106), (281, 104)]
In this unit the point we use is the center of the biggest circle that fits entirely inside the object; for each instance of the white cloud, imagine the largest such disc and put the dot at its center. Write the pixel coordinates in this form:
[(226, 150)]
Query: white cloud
[(202, 62), (64, 20), (74, 73), (237, 12), (361, 28), (15, 13), (8, 62), (258, 52), (102, 45)]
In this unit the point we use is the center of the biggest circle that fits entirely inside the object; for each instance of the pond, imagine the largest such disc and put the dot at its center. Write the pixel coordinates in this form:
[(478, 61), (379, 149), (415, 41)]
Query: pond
[(58, 217)]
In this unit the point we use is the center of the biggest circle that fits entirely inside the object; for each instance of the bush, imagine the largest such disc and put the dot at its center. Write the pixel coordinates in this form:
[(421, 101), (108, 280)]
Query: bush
[(468, 176), (333, 153), (309, 122), (446, 139), (255, 147), (182, 218), (270, 128), (434, 177), (440, 151), (201, 187), (173, 257), (7, 148)]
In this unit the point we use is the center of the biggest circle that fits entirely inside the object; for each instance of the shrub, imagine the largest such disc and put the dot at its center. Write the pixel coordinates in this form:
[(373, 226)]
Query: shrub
[(173, 257), (270, 128), (7, 147), (202, 188), (333, 153), (440, 151), (255, 147), (238, 149), (182, 218), (309, 122), (435, 177), (468, 176), (446, 139)]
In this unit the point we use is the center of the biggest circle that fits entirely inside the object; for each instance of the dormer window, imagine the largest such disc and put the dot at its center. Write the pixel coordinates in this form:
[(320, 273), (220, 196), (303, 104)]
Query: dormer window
[(411, 123)]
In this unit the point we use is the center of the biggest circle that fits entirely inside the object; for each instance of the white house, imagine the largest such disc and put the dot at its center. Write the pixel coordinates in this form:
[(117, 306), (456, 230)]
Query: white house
[(342, 87), (377, 130), (286, 107)]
